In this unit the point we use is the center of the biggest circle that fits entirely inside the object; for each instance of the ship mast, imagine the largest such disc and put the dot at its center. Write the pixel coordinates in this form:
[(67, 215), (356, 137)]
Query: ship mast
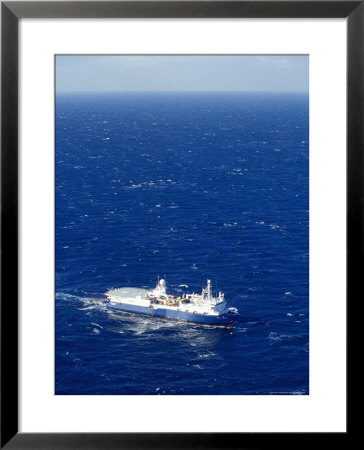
[(208, 289)]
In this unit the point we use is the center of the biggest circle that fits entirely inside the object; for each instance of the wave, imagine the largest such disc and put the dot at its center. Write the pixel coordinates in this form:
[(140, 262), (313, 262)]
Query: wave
[(287, 338)]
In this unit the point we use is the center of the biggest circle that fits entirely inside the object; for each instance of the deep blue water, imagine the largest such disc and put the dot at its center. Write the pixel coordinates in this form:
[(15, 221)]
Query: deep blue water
[(187, 187)]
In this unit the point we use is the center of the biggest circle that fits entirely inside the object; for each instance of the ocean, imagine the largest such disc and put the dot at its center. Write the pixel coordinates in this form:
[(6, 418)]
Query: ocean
[(187, 186)]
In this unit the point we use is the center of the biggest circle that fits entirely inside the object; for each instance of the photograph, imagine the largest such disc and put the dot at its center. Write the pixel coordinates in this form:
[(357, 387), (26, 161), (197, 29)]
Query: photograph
[(181, 224)]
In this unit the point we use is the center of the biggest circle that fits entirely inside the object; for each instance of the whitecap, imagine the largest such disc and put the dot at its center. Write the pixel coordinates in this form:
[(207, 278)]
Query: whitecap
[(197, 366)]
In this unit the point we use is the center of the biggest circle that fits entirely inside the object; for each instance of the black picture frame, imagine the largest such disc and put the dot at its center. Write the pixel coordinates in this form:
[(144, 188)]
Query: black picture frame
[(11, 12)]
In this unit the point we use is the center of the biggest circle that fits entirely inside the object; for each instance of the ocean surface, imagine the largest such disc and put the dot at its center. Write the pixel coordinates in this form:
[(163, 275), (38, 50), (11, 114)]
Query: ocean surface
[(185, 186)]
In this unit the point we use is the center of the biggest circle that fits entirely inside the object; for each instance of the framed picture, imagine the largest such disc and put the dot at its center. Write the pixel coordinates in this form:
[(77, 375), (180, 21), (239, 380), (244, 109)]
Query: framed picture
[(199, 175)]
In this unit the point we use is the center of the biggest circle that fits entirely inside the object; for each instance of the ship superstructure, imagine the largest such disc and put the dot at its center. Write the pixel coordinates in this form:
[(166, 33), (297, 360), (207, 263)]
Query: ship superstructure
[(200, 308)]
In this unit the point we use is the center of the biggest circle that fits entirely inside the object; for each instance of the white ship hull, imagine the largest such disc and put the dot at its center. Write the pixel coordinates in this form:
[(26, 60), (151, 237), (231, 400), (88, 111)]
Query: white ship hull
[(204, 308)]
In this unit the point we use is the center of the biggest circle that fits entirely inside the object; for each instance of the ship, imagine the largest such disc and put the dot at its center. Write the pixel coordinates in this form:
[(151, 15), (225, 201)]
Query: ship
[(204, 308)]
